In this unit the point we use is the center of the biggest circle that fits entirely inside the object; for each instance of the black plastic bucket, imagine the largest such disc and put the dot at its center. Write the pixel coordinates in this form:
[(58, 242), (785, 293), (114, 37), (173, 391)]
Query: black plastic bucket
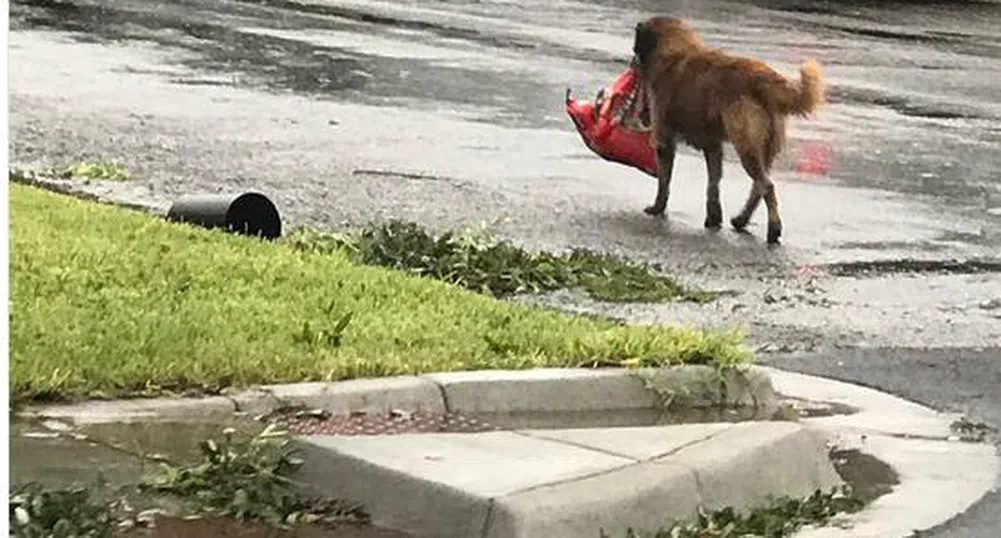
[(249, 213)]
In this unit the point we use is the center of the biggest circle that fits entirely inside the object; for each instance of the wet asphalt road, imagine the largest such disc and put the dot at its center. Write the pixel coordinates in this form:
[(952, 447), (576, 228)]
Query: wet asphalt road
[(450, 113)]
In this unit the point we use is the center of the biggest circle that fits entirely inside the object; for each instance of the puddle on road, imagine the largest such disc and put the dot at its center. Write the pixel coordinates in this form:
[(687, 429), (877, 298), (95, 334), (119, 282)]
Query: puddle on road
[(107, 459), (116, 453), (914, 266), (326, 57), (57, 459), (870, 478)]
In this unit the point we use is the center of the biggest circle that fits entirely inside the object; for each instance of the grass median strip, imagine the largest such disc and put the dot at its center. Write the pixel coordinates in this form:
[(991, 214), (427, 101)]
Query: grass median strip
[(109, 302)]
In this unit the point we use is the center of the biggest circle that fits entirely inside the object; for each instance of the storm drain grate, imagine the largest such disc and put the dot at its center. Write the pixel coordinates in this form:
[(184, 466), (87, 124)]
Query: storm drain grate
[(321, 423)]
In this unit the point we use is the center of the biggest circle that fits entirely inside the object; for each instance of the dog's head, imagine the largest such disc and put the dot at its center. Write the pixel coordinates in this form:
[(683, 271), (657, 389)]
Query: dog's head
[(663, 34)]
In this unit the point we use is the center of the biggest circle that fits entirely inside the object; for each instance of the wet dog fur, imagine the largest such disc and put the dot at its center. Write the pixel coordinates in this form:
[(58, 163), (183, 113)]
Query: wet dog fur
[(705, 97)]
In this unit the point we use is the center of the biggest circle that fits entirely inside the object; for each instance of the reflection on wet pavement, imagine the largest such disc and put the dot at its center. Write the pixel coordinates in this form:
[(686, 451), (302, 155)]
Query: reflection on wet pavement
[(913, 105), (55, 453)]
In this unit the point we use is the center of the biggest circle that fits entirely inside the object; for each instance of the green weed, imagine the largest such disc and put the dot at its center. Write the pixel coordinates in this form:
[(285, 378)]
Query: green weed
[(100, 170), (250, 480), (69, 512), (478, 261), (779, 519)]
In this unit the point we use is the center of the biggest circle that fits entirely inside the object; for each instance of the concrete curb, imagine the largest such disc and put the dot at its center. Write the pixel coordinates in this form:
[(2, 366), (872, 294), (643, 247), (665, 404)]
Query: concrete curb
[(940, 477), (565, 483), (481, 391), (77, 189)]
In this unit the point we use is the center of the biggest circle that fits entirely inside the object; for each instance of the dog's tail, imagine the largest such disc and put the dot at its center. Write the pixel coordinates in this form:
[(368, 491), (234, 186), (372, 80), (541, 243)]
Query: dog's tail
[(806, 97)]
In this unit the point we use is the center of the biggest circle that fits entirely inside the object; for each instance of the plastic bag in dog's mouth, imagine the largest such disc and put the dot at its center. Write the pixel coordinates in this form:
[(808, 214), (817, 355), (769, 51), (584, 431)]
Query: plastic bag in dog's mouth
[(616, 125), (632, 111)]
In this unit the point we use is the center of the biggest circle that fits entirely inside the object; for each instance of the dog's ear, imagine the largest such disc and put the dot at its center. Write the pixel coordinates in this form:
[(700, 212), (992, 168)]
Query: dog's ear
[(644, 42)]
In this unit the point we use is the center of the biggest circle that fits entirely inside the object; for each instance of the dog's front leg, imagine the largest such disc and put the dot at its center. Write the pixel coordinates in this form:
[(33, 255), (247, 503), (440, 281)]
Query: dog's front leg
[(665, 165), (714, 169)]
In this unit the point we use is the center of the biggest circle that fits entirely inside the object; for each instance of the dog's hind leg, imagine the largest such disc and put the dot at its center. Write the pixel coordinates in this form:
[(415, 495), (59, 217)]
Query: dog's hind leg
[(714, 169), (749, 127), (665, 148), (753, 168), (763, 187), (776, 139), (774, 219)]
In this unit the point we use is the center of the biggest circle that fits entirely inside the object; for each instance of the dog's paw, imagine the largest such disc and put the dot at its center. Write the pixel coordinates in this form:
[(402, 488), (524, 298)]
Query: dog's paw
[(774, 232), (714, 218), (654, 210)]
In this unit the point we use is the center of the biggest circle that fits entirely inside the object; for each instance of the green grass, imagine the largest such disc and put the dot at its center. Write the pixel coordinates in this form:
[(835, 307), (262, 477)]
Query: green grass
[(94, 170), (113, 302)]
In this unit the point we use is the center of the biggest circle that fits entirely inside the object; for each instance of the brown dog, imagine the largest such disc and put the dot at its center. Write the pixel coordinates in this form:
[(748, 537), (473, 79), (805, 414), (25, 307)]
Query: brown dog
[(705, 97)]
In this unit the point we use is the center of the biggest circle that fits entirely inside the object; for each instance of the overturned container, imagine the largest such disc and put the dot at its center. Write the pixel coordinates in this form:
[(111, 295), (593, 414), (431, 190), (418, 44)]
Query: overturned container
[(248, 213)]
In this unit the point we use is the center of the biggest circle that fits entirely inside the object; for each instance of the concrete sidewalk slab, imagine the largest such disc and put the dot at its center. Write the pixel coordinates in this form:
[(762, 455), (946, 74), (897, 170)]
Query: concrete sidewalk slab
[(483, 464), (644, 443), (740, 465), (441, 484), (565, 483)]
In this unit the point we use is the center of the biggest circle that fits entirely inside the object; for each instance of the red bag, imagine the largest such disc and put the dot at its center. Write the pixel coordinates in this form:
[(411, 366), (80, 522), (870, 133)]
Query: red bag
[(616, 126)]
